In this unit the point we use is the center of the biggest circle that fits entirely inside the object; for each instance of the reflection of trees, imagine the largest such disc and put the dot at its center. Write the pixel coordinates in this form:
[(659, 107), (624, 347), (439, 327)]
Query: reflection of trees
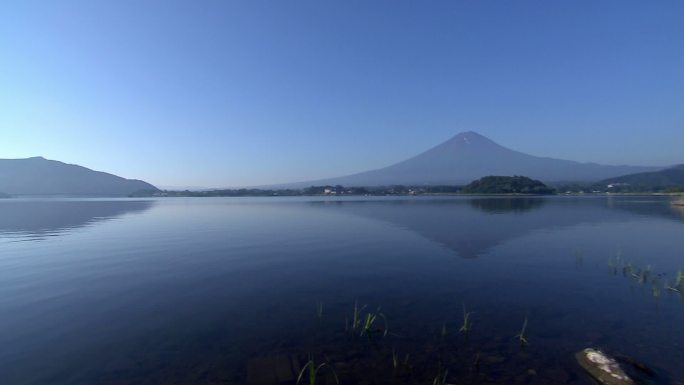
[(503, 205), (41, 217), (678, 208), (651, 206)]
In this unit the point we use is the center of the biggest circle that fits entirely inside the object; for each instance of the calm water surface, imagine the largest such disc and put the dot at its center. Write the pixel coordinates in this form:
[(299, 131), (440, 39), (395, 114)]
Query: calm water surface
[(228, 291)]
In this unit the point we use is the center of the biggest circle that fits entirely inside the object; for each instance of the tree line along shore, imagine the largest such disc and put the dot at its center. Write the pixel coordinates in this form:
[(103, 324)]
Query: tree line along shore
[(489, 185)]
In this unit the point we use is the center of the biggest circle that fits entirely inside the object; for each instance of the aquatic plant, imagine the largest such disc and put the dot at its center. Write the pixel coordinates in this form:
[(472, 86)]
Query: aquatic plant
[(356, 319), (521, 336), (370, 319), (643, 275), (319, 311), (640, 275), (397, 362), (440, 378), (313, 371), (476, 363), (646, 275), (678, 285), (656, 291), (628, 269), (612, 265), (467, 324), (672, 288)]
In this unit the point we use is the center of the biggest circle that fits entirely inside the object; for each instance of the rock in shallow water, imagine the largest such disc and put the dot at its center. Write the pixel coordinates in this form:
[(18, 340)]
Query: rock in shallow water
[(604, 369)]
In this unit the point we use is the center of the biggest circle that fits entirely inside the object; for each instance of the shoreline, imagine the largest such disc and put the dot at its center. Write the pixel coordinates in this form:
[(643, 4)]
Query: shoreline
[(678, 202)]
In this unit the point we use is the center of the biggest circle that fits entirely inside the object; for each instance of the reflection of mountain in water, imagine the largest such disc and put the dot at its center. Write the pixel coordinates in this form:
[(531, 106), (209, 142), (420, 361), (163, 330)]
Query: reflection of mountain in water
[(38, 218), (471, 227)]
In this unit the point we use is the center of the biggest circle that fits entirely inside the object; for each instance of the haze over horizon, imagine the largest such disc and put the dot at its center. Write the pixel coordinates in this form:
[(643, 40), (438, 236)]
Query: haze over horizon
[(256, 93)]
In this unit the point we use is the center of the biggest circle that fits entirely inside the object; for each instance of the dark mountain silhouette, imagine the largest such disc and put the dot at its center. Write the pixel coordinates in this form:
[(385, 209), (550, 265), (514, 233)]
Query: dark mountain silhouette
[(40, 176), (669, 177), (469, 156)]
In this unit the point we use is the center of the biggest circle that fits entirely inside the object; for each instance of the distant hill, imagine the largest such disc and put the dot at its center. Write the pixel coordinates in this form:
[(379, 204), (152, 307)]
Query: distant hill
[(40, 176), (507, 185), (648, 181), (469, 156)]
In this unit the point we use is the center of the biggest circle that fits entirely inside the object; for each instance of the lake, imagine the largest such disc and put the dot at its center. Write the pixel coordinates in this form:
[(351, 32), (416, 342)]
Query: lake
[(245, 290)]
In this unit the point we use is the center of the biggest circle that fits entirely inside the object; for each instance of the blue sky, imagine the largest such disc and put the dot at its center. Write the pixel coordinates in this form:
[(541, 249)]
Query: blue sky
[(228, 93)]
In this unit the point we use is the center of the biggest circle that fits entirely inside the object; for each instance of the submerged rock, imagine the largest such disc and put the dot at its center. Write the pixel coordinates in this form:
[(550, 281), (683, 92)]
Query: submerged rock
[(603, 368)]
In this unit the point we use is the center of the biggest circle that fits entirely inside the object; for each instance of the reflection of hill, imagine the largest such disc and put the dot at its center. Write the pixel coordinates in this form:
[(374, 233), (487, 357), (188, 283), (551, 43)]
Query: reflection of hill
[(498, 205), (51, 217), (471, 227)]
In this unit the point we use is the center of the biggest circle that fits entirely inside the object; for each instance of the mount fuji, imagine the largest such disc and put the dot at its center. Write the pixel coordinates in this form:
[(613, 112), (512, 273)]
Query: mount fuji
[(469, 156)]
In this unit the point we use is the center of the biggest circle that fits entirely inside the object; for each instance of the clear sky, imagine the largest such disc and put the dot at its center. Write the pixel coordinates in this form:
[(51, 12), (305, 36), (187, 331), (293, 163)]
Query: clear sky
[(229, 93)]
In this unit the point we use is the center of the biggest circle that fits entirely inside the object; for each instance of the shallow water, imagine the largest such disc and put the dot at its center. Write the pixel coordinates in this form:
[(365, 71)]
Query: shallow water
[(225, 290)]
